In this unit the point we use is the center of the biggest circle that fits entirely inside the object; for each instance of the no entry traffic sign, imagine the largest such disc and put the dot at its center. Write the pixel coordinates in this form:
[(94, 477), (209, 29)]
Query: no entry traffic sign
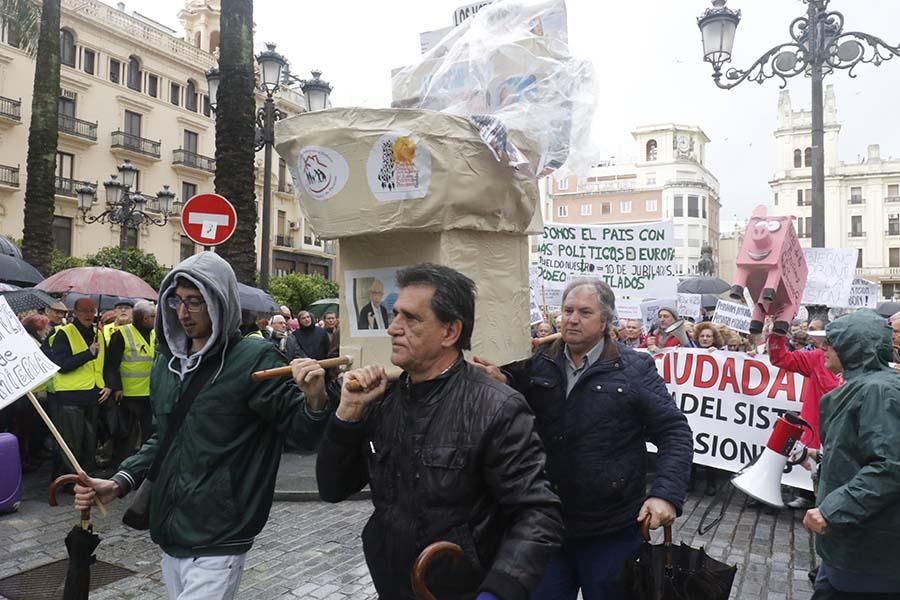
[(208, 219)]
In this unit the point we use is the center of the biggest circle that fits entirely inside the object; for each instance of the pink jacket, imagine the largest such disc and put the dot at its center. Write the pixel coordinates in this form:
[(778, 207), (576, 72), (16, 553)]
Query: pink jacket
[(819, 380)]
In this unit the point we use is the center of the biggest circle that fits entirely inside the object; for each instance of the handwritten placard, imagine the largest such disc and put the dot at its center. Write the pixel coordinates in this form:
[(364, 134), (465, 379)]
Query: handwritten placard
[(863, 294), (636, 260), (831, 275), (23, 365), (733, 315), (690, 306)]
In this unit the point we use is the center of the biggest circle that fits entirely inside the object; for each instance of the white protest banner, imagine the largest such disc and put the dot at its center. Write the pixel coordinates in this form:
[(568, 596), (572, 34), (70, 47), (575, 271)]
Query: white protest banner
[(831, 275), (23, 366), (634, 260), (628, 310), (544, 295), (690, 306), (863, 294), (731, 401), (733, 315), (536, 315), (650, 312)]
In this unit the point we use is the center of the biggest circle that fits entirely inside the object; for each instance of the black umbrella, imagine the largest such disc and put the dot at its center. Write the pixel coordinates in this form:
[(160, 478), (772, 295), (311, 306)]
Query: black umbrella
[(9, 248), (29, 299), (886, 309), (703, 285), (18, 272), (669, 572), (81, 543), (256, 300)]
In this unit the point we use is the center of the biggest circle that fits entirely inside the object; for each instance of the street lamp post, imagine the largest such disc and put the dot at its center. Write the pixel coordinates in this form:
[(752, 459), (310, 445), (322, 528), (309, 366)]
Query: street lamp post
[(125, 208), (819, 46), (273, 74)]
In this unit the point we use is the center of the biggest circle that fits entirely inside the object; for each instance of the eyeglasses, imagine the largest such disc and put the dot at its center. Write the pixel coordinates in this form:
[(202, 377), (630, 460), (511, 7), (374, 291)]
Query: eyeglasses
[(192, 305)]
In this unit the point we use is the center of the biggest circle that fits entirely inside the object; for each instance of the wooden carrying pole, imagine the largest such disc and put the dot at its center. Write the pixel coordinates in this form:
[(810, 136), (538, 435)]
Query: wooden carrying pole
[(62, 443), (328, 363)]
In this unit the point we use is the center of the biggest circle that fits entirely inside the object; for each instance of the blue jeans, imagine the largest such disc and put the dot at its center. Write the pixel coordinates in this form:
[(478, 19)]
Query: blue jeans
[(591, 564)]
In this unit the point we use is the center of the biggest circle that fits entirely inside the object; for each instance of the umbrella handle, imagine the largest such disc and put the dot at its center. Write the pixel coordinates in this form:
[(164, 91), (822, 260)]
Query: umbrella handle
[(645, 531), (65, 480), (421, 566)]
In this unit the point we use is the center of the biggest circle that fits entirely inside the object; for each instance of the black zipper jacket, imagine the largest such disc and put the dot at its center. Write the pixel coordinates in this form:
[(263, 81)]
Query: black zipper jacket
[(455, 459)]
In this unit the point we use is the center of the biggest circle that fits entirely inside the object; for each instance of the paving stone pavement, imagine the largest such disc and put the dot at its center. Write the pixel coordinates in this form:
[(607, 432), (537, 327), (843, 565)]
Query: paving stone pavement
[(312, 550)]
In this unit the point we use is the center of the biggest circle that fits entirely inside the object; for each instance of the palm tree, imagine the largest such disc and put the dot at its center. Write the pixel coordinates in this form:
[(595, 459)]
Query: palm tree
[(37, 243), (235, 134)]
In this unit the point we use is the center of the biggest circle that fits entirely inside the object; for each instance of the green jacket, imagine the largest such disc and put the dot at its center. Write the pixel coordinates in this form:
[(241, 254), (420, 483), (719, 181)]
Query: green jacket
[(859, 481), (216, 484)]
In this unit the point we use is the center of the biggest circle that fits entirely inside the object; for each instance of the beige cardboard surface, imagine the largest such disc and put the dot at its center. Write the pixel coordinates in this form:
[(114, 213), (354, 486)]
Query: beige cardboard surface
[(363, 171), (498, 263)]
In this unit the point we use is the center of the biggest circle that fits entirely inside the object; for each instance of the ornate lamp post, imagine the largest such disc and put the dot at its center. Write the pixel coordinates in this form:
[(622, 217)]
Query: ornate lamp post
[(273, 74), (125, 208), (818, 46)]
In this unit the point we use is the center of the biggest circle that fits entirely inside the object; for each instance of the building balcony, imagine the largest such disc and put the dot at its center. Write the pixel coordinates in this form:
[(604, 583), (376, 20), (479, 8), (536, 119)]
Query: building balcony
[(10, 111), (892, 231), (856, 200), (135, 145), (889, 199), (857, 234), (69, 187), (77, 130), (285, 241), (9, 177), (285, 187), (192, 160), (879, 272)]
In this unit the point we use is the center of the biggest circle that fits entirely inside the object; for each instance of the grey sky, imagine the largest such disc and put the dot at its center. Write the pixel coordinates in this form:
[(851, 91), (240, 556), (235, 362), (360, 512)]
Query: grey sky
[(647, 57)]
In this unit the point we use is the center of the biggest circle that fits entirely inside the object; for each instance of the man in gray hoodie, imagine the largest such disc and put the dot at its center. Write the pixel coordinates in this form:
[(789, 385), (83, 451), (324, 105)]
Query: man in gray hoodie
[(213, 487)]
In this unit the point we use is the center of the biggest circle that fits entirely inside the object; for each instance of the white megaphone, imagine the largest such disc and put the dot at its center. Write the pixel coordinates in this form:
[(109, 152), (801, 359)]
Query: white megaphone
[(680, 332), (761, 479)]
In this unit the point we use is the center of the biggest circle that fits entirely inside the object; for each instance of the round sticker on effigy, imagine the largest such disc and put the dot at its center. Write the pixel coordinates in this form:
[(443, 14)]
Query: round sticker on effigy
[(399, 167), (323, 172)]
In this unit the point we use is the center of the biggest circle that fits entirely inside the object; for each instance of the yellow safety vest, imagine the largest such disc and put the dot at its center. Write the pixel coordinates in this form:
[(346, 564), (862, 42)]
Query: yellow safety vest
[(136, 361), (256, 333), (109, 329), (90, 374)]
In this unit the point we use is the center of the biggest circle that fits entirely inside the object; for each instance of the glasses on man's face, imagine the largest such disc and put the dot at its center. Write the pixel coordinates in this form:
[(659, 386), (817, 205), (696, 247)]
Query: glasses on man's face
[(192, 305)]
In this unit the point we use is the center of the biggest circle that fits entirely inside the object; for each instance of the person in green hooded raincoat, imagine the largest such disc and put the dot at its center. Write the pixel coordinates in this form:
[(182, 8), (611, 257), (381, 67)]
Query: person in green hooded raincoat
[(857, 518)]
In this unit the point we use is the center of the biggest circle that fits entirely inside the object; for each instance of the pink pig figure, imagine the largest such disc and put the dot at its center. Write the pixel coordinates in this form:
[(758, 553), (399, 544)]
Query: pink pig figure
[(772, 267)]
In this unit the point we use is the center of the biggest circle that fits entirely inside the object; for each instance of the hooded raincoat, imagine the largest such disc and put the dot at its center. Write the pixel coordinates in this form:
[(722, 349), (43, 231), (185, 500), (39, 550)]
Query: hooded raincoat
[(215, 485), (859, 481)]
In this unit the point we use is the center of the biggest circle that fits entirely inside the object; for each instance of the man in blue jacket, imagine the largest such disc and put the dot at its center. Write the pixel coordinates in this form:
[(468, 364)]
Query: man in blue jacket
[(597, 403)]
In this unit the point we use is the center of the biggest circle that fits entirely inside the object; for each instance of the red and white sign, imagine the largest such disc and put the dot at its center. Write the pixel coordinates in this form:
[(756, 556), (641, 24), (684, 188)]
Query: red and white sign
[(208, 219)]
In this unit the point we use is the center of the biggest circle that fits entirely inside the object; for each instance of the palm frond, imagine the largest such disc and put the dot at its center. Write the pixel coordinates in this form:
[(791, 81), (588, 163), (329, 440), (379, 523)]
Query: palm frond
[(23, 17)]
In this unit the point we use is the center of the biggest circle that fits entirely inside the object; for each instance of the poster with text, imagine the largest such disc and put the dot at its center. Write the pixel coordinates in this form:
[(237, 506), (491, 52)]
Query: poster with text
[(831, 275), (635, 260), (370, 295), (733, 315), (863, 294), (23, 365), (731, 401)]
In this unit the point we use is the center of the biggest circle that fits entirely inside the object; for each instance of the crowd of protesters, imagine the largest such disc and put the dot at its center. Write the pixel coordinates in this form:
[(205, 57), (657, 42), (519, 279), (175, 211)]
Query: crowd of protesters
[(100, 398)]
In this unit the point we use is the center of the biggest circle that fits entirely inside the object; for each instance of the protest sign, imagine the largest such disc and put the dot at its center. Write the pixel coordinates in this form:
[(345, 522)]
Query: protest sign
[(650, 312), (549, 298), (536, 315), (733, 315), (831, 275), (637, 260), (863, 294), (23, 365), (690, 306), (628, 310), (731, 401)]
